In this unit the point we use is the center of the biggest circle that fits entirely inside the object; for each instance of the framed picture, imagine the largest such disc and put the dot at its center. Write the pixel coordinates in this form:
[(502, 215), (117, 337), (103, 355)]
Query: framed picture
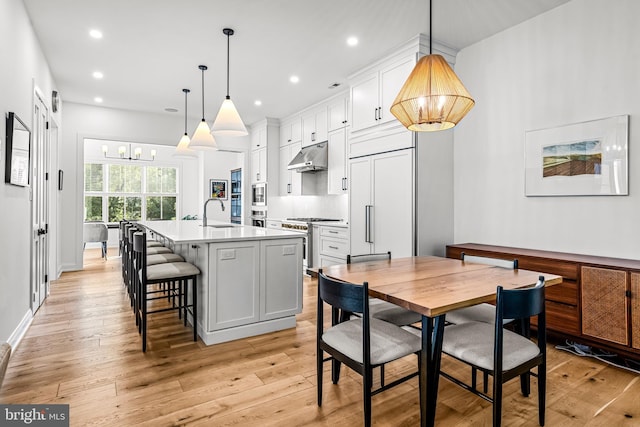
[(580, 159), (218, 189)]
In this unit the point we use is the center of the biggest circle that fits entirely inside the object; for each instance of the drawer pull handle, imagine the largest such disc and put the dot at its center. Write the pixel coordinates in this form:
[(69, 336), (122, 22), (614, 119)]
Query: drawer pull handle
[(334, 247)]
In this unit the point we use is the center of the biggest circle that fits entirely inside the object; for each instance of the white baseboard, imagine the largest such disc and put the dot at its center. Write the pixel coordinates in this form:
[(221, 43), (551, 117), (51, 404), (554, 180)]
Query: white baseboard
[(18, 333), (71, 267)]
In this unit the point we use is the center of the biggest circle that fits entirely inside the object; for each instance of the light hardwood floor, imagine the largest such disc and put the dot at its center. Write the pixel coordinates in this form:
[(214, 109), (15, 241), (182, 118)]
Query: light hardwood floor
[(83, 349)]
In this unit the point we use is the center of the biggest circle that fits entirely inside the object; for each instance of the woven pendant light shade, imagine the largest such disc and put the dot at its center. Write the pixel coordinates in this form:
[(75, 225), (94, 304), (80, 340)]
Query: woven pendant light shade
[(433, 98)]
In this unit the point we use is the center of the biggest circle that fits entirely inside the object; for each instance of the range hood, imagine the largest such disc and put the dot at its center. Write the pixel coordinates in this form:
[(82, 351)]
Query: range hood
[(310, 159)]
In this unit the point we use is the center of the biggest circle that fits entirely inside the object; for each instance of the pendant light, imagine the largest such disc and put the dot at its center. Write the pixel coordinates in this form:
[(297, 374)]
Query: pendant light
[(433, 97), (202, 138), (228, 121), (183, 150)]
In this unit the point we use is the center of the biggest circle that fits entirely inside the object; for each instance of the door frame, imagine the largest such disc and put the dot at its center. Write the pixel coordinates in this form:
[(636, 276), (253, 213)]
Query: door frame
[(37, 161)]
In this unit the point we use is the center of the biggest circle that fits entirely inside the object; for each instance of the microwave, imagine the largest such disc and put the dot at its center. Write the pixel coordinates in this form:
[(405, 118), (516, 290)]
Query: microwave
[(259, 194)]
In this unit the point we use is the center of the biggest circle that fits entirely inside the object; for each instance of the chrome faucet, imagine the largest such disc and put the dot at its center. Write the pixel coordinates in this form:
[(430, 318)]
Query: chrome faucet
[(204, 215)]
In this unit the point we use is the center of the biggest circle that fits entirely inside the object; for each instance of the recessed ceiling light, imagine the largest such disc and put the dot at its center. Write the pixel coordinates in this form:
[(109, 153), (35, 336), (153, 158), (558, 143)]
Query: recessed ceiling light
[(257, 103), (171, 110), (96, 34), (352, 41), (294, 79), (97, 75), (98, 99)]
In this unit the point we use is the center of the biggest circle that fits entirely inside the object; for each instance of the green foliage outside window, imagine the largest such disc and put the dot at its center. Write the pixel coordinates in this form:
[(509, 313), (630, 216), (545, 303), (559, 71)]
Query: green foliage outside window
[(161, 180), (121, 207), (161, 207), (127, 184), (125, 179), (93, 208), (93, 177)]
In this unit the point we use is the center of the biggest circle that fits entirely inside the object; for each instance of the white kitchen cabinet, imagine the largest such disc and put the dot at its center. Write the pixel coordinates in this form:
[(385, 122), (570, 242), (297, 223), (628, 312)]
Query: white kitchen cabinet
[(236, 263), (337, 112), (373, 94), (314, 126), (291, 131), (333, 246), (290, 181), (381, 203), (265, 137), (250, 282), (278, 297), (337, 180), (259, 138), (259, 165)]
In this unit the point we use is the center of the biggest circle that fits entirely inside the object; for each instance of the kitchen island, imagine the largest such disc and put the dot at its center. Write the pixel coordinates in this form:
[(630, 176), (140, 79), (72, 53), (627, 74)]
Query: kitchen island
[(251, 277)]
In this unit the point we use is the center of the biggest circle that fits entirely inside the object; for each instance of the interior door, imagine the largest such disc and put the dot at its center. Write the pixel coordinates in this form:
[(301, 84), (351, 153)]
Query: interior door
[(40, 204)]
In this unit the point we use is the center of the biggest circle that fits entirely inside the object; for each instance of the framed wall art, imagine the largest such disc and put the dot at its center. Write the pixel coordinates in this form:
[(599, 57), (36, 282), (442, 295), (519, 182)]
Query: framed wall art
[(218, 189), (579, 159)]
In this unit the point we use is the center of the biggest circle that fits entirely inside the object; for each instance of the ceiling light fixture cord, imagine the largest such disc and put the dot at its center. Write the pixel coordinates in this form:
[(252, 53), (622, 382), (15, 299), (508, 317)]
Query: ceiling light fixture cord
[(228, 32), (186, 91), (202, 67), (430, 29)]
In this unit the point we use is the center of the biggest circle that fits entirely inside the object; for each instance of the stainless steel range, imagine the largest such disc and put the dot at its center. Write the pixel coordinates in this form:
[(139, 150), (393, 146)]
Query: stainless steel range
[(304, 225)]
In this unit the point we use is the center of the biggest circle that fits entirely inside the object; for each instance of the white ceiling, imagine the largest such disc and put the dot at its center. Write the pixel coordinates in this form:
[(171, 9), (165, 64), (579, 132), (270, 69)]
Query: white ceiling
[(152, 48)]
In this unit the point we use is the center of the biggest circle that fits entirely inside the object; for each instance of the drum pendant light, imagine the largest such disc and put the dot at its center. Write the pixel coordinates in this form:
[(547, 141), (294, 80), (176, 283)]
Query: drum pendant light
[(433, 98), (202, 138), (228, 121), (182, 149)]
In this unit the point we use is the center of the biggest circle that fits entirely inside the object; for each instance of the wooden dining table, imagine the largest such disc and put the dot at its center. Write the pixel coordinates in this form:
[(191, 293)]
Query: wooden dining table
[(432, 286)]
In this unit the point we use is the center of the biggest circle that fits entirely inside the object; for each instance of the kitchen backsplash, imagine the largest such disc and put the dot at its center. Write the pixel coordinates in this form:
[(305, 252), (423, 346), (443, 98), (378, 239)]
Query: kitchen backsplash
[(308, 206)]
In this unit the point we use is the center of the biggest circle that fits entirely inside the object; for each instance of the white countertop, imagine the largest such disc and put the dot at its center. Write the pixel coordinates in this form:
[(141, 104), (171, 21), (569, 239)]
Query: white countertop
[(193, 232)]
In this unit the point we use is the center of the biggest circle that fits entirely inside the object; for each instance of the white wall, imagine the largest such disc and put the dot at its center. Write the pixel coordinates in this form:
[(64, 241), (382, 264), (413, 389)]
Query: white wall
[(23, 68), (86, 121), (578, 62), (218, 166)]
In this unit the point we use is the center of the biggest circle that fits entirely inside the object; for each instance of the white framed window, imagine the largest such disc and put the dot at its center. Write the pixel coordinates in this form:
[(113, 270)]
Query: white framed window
[(122, 191)]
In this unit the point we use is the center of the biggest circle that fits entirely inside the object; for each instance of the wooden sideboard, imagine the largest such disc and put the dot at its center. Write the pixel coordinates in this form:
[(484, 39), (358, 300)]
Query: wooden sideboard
[(597, 303)]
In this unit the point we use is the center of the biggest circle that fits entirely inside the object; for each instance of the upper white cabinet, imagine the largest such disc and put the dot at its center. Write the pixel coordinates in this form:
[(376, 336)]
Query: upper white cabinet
[(338, 113), (264, 151), (337, 180), (259, 138), (259, 165), (314, 126), (291, 131), (372, 94), (290, 181)]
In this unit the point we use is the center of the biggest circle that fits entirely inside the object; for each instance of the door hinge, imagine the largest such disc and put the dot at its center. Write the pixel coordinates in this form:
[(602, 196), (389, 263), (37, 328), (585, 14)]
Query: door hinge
[(46, 176), (47, 125), (46, 278), (628, 293), (46, 228)]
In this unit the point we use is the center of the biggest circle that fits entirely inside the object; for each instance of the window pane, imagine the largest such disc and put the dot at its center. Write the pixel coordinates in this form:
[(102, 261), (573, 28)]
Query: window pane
[(125, 179), (168, 207), (154, 180), (93, 208), (169, 180), (116, 209), (133, 179), (116, 178), (93, 178), (133, 208), (153, 208)]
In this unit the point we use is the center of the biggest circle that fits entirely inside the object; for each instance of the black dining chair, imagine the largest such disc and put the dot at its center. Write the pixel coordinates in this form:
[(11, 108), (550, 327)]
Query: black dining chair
[(483, 312), (384, 310), (504, 354), (361, 343)]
